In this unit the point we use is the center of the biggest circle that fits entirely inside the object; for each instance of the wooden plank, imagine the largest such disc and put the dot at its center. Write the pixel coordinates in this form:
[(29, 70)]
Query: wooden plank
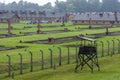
[(88, 39)]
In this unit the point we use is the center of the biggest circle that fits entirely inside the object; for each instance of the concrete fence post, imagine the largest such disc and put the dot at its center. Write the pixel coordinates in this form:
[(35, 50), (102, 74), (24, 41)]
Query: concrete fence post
[(113, 47), (108, 47), (118, 45), (60, 56), (51, 60), (9, 63), (13, 75), (102, 48), (42, 60), (76, 49), (21, 69), (31, 61), (68, 55)]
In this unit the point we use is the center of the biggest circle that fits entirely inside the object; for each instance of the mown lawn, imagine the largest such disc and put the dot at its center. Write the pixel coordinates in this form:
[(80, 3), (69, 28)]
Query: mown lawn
[(109, 71), (109, 65)]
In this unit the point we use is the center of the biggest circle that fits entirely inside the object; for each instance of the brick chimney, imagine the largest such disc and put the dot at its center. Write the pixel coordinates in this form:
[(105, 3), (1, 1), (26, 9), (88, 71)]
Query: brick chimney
[(9, 28), (90, 23), (38, 26), (115, 15), (101, 14)]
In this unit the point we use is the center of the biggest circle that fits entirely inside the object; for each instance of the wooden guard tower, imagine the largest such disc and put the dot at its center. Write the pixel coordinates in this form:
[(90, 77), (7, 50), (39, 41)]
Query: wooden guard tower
[(87, 55)]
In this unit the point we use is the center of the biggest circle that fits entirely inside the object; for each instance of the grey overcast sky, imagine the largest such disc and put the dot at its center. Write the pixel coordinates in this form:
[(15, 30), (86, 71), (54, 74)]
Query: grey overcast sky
[(40, 2)]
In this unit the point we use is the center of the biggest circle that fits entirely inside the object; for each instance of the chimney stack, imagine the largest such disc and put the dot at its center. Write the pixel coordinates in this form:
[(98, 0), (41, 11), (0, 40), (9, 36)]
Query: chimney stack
[(90, 23), (116, 18), (101, 14)]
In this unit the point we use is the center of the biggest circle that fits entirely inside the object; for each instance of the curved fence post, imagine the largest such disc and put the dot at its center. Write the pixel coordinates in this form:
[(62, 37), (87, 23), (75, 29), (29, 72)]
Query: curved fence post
[(13, 75), (108, 47), (113, 52), (51, 61), (20, 63), (31, 61), (42, 60), (118, 45), (60, 56), (76, 49), (68, 55), (9, 63), (102, 48)]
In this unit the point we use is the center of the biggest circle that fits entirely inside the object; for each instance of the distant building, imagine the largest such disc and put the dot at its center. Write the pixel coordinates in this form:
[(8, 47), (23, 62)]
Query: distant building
[(5, 16), (57, 17), (97, 18), (42, 15)]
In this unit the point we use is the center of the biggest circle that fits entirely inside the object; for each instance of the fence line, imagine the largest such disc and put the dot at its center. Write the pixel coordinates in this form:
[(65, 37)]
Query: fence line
[(100, 46)]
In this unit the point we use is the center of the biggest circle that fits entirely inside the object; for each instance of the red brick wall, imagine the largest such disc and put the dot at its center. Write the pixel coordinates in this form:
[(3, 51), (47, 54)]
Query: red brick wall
[(93, 22)]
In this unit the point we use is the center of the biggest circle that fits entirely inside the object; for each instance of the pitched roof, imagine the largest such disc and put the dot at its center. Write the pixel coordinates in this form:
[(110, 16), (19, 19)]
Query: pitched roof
[(36, 14), (7, 15), (97, 16)]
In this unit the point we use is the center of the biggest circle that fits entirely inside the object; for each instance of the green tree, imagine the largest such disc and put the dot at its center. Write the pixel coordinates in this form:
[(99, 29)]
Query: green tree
[(60, 6), (47, 7), (77, 5), (93, 5), (110, 5)]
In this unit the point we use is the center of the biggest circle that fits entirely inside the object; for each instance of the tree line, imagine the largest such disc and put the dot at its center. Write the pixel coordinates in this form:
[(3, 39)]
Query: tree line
[(66, 6)]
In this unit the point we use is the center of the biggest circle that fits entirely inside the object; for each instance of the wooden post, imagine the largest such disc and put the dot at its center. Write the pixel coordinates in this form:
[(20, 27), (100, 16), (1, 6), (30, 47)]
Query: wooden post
[(102, 49), (60, 56), (20, 63), (42, 60), (51, 62), (108, 47), (68, 55), (31, 61), (9, 63)]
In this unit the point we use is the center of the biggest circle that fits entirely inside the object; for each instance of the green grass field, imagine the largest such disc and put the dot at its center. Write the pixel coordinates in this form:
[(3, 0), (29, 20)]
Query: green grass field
[(109, 71), (109, 65)]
